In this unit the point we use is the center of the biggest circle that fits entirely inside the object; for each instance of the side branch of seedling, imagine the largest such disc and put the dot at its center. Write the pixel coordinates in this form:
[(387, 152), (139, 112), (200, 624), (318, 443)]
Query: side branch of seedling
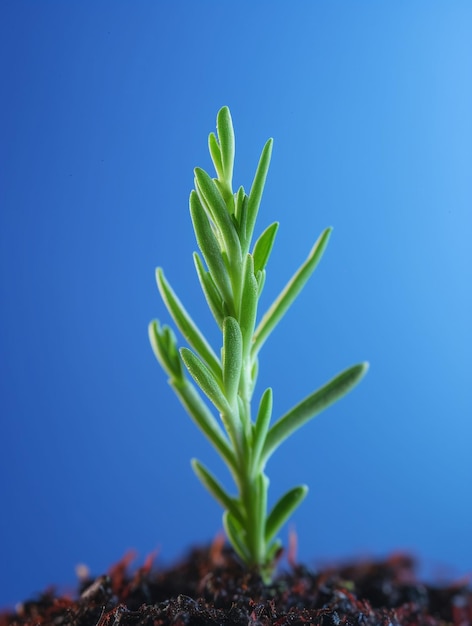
[(232, 271)]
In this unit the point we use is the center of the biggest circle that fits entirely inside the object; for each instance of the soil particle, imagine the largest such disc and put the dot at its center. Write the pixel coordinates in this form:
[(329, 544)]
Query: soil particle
[(211, 588)]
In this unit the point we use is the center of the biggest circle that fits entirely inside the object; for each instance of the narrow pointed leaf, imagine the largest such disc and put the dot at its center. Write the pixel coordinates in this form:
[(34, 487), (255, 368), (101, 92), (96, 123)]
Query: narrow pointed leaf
[(205, 379), (238, 205), (212, 388), (260, 277), (232, 358), (261, 509), (204, 419), (245, 242), (283, 510), (210, 290), (257, 188), (290, 291), (263, 247), (216, 490), (215, 154), (224, 127), (164, 345), (185, 324), (311, 406), (171, 362), (210, 248), (248, 306), (215, 203), (261, 428)]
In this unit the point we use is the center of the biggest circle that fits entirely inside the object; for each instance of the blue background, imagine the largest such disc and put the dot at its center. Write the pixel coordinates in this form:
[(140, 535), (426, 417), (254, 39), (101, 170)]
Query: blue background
[(106, 109)]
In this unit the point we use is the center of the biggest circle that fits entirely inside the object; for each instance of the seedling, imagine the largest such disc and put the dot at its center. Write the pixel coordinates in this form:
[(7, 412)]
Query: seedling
[(232, 273)]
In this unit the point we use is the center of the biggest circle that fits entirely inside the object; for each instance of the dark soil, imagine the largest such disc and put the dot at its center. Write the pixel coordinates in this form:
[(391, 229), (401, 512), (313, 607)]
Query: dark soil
[(210, 587)]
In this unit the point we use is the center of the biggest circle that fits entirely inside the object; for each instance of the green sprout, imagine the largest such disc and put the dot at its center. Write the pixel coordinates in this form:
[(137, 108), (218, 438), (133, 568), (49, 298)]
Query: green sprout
[(232, 275)]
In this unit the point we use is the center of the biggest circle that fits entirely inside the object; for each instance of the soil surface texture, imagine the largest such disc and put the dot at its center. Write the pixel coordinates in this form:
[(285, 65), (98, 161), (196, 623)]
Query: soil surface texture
[(211, 588)]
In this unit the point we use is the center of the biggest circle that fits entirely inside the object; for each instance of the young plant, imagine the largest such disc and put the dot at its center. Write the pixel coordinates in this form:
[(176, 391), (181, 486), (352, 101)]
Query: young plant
[(232, 274)]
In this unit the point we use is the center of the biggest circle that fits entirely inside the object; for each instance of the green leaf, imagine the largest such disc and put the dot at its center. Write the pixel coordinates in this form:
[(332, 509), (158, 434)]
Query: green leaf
[(232, 357), (261, 513), (205, 379), (263, 247), (260, 277), (257, 188), (290, 292), (235, 534), (261, 428), (283, 510), (210, 290), (203, 418), (215, 154), (312, 406), (248, 306), (186, 325), (164, 345), (210, 248), (238, 208), (212, 199), (243, 224), (217, 491), (224, 127)]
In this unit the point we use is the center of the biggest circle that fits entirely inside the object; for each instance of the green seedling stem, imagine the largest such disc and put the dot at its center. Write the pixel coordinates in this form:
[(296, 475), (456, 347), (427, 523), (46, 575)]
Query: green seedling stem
[(232, 271)]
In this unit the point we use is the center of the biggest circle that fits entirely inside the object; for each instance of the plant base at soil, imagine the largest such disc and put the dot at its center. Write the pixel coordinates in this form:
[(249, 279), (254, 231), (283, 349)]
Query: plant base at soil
[(211, 588)]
